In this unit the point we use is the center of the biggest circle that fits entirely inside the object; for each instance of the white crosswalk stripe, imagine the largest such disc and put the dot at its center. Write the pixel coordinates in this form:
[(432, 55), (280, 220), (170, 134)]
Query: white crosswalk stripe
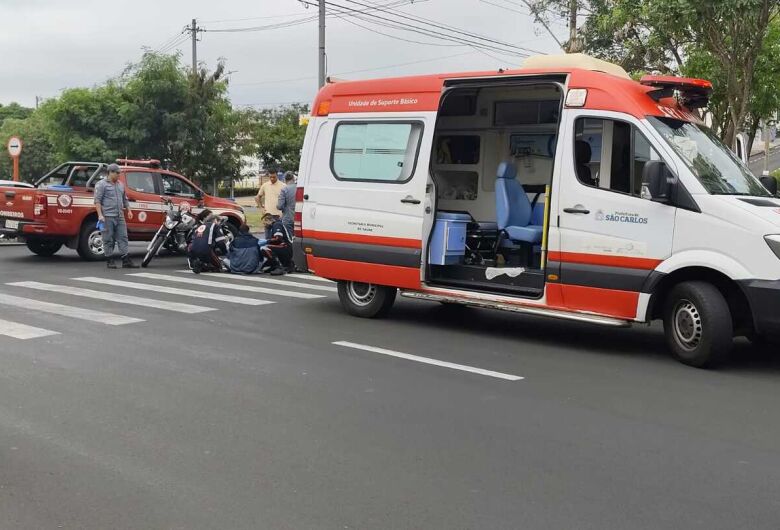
[(16, 330), (175, 290), (225, 285), (80, 313), (113, 297), (272, 281)]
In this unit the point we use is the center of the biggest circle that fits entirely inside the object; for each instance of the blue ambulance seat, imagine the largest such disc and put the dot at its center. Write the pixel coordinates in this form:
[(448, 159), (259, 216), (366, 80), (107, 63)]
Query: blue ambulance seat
[(513, 209)]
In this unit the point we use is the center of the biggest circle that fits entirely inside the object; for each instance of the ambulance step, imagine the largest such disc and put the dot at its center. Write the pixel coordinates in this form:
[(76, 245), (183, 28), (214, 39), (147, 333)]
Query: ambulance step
[(517, 308)]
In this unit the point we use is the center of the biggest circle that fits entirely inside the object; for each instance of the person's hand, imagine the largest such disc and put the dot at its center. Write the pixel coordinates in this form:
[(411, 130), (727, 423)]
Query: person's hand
[(130, 214), (101, 219)]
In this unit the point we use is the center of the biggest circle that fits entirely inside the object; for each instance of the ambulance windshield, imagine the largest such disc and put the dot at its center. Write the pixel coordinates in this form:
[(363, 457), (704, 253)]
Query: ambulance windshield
[(716, 167)]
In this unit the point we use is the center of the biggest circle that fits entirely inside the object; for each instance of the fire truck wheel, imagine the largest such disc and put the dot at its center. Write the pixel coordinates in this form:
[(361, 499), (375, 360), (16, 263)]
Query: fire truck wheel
[(698, 325), (366, 300), (90, 245), (43, 247)]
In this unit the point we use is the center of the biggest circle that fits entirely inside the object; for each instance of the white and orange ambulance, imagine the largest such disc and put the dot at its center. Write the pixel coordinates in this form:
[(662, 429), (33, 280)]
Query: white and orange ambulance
[(564, 189)]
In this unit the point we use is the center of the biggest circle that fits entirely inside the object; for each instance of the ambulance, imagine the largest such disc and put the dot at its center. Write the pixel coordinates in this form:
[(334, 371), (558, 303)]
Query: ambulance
[(562, 189)]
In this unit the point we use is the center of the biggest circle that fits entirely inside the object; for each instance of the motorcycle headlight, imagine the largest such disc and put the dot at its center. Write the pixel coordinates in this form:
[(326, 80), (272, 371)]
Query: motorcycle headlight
[(774, 243), (170, 223)]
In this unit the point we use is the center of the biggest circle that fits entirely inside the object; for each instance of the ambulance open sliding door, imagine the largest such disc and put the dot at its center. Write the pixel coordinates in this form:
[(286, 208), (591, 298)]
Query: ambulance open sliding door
[(363, 218)]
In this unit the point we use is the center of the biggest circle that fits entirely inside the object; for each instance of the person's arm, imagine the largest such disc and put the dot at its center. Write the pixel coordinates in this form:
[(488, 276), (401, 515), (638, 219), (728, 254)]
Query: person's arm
[(126, 204), (260, 197), (98, 202), (282, 200)]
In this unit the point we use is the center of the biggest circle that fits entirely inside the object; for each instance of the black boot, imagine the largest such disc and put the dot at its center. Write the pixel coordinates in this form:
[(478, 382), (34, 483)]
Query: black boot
[(111, 264), (127, 263)]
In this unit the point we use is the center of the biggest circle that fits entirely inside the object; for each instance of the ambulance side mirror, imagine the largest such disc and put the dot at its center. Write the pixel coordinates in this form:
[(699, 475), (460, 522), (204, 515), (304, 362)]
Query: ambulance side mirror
[(657, 181), (198, 195), (770, 183)]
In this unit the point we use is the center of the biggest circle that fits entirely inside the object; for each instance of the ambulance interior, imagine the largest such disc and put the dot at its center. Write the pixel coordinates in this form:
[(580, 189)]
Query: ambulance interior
[(492, 161)]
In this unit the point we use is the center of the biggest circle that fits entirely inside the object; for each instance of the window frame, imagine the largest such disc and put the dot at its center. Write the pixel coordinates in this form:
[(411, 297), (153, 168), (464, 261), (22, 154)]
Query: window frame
[(180, 178), (634, 129), (155, 179), (413, 171)]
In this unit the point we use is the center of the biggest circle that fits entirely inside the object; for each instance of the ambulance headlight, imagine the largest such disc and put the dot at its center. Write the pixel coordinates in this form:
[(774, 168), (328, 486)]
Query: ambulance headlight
[(774, 243)]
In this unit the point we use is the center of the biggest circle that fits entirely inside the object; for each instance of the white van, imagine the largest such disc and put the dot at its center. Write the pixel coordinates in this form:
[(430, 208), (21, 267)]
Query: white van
[(562, 189)]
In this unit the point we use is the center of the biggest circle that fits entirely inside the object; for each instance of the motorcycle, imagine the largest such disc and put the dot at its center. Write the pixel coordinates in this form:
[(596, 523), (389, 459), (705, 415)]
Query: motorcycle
[(175, 234)]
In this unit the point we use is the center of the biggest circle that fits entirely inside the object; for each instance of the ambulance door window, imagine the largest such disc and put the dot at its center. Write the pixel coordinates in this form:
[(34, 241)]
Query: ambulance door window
[(611, 155)]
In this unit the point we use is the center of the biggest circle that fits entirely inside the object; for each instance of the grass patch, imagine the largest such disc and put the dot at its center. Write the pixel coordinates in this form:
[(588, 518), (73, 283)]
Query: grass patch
[(253, 219)]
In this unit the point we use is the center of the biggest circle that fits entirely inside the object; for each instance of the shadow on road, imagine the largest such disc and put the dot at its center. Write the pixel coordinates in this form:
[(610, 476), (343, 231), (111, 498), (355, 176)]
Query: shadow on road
[(645, 341)]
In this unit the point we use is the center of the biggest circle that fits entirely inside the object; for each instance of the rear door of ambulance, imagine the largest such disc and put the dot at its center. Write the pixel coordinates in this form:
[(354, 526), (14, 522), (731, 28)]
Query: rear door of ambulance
[(365, 196)]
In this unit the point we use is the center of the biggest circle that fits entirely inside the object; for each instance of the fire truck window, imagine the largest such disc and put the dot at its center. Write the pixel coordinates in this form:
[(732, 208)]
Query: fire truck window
[(57, 178), (140, 182), (380, 152), (611, 154), (176, 186)]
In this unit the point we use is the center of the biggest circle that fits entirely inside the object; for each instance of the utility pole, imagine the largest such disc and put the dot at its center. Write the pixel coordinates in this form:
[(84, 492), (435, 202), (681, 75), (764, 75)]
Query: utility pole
[(574, 42), (193, 30), (37, 101), (322, 43), (765, 134)]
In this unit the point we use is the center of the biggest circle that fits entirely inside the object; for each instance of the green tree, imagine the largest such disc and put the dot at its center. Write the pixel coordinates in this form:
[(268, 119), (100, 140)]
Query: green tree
[(277, 136), (13, 110), (38, 154), (725, 38)]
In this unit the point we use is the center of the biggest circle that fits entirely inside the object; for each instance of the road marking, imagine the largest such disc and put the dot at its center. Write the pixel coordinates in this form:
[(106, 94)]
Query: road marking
[(223, 285), (273, 281), (112, 297), (175, 290), (23, 331), (68, 311), (311, 277), (427, 360)]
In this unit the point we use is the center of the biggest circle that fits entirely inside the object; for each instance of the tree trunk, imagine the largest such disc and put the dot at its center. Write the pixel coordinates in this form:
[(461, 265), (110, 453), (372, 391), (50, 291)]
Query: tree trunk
[(753, 128), (573, 46)]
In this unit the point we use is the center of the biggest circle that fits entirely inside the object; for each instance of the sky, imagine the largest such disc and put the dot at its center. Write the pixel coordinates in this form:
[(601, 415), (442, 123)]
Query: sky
[(50, 45)]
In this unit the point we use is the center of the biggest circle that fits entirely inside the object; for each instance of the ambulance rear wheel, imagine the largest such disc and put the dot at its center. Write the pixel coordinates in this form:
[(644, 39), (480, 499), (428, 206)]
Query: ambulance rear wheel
[(366, 300), (43, 247), (698, 324)]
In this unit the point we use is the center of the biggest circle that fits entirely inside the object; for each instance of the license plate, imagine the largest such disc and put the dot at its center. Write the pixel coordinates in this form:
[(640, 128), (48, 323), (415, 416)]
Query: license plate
[(11, 224)]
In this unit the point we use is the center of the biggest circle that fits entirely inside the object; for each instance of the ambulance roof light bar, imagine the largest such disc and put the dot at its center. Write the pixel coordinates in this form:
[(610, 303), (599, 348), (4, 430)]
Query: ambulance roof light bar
[(694, 93)]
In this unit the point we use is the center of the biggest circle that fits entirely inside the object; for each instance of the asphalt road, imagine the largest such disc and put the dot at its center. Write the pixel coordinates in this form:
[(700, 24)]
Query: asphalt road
[(756, 163), (250, 417)]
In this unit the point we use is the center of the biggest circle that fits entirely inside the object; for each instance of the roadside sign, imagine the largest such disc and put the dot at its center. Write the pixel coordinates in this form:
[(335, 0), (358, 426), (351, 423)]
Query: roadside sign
[(14, 146), (15, 149)]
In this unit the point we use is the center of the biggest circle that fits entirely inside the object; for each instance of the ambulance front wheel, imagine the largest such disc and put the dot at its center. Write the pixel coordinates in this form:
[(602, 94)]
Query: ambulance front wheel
[(698, 324), (366, 300)]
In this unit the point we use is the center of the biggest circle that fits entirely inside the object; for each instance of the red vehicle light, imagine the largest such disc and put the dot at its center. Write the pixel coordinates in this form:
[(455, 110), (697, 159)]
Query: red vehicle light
[(670, 80), (41, 208), (693, 93), (151, 163), (298, 219)]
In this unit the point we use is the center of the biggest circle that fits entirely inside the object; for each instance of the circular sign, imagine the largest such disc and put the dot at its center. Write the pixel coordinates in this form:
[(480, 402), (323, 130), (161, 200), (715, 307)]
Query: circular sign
[(14, 146), (142, 216)]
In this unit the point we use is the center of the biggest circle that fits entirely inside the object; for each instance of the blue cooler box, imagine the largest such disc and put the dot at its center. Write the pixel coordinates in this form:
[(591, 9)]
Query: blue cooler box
[(448, 244)]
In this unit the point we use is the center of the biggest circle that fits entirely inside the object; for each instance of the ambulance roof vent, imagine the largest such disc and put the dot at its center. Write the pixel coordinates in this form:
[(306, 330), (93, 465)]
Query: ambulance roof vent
[(575, 60)]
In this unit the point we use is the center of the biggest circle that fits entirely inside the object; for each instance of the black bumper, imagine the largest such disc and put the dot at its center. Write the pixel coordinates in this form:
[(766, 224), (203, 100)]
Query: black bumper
[(764, 299)]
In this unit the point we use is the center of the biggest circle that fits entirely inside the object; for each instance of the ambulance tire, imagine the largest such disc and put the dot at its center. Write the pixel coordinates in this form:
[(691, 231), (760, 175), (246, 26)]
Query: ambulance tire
[(43, 247), (366, 300), (89, 238), (698, 324)]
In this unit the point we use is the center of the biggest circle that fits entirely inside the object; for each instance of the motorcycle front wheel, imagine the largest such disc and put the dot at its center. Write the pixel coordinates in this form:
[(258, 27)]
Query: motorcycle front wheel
[(154, 248)]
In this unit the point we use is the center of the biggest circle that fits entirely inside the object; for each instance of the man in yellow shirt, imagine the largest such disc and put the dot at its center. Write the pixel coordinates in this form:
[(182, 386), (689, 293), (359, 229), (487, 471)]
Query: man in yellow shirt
[(268, 197)]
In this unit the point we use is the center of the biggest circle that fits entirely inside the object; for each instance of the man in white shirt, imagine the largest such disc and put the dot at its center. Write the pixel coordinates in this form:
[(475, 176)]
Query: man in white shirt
[(268, 197)]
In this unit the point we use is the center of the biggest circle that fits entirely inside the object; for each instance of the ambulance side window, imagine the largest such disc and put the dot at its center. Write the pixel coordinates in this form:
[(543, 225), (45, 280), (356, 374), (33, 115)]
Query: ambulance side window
[(375, 151), (611, 154)]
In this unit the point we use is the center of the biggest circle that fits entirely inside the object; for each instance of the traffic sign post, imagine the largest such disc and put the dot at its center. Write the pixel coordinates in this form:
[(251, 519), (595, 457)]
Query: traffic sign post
[(15, 150)]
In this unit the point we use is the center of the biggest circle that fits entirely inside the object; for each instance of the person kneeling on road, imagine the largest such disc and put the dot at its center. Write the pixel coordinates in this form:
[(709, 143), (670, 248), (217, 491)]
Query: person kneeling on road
[(244, 255), (111, 204), (205, 241), (278, 250)]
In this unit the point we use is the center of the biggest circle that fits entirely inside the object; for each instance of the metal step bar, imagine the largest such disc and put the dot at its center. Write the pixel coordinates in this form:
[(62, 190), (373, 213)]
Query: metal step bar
[(518, 308)]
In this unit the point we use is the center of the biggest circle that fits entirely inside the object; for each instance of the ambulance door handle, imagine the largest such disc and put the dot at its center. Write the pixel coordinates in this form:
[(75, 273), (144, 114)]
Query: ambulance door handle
[(306, 197), (410, 200), (576, 210)]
